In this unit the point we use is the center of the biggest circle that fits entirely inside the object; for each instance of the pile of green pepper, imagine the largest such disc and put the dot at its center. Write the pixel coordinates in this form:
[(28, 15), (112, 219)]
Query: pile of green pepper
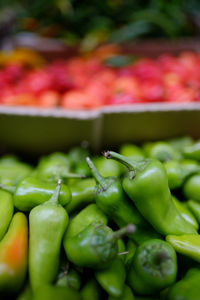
[(123, 225)]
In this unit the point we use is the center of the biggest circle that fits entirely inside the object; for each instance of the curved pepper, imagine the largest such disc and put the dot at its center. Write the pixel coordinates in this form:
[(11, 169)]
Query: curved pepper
[(31, 192), (187, 288), (147, 186), (180, 143), (97, 244), (47, 224), (112, 279), (6, 211), (77, 157), (110, 198), (131, 151), (191, 188), (82, 194), (70, 278), (154, 267), (107, 168), (14, 254), (188, 244), (51, 292)]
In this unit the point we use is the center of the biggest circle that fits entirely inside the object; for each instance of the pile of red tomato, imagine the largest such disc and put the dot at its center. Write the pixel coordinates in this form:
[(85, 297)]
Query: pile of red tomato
[(87, 82)]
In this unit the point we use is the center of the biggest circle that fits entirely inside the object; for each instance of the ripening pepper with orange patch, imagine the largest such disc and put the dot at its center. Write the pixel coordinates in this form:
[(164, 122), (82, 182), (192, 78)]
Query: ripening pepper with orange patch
[(14, 255)]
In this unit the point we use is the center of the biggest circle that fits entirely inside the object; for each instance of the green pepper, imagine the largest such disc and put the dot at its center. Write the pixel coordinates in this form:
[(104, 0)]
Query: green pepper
[(85, 217), (31, 192), (194, 206), (191, 188), (110, 198), (69, 277), (82, 194), (107, 168), (192, 151), (131, 151), (154, 267), (91, 291), (187, 244), (51, 292), (6, 211), (112, 279), (180, 143), (14, 255), (187, 288), (47, 224), (130, 248), (161, 151), (77, 157), (147, 186), (185, 212), (121, 249), (97, 244), (127, 294), (56, 165)]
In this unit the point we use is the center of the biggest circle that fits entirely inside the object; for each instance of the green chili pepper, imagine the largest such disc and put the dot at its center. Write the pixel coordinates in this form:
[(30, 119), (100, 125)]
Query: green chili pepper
[(194, 206), (121, 249), (192, 151), (181, 142), (13, 255), (69, 277), (82, 194), (191, 188), (56, 165), (97, 244), (127, 294), (107, 168), (131, 151), (154, 267), (91, 291), (185, 212), (77, 157), (6, 211), (187, 288), (161, 151), (26, 294), (31, 192), (147, 186), (112, 279), (56, 293), (47, 224), (111, 199), (85, 217), (188, 244)]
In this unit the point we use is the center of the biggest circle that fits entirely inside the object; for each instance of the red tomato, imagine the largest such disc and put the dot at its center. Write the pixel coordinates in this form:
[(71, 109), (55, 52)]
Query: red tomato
[(48, 99), (79, 100)]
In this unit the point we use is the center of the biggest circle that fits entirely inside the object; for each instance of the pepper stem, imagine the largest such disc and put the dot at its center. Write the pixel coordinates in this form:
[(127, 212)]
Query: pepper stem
[(55, 196), (94, 171), (120, 158), (10, 189), (130, 228)]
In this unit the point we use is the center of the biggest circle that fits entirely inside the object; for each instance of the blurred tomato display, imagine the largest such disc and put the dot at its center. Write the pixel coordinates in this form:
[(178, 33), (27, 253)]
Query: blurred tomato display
[(102, 78)]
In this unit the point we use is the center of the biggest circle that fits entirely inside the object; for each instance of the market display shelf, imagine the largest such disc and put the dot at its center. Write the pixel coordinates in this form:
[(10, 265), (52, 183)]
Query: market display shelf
[(34, 131)]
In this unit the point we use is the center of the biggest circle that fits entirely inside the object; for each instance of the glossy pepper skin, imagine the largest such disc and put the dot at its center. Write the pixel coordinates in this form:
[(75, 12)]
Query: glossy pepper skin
[(69, 277), (194, 207), (111, 199), (47, 224), (6, 211), (147, 186), (31, 192), (112, 279), (51, 292), (97, 244), (14, 255), (132, 151), (82, 194), (187, 244), (191, 188), (187, 288), (154, 267)]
